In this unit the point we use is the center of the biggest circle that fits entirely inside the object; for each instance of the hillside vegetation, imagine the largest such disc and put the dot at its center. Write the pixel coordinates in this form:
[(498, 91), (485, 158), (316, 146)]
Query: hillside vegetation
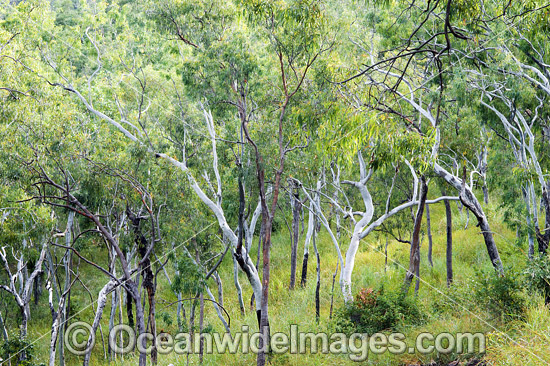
[(361, 174)]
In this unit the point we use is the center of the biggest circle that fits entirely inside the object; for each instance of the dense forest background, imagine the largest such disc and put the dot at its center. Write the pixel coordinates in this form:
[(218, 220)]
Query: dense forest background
[(347, 166)]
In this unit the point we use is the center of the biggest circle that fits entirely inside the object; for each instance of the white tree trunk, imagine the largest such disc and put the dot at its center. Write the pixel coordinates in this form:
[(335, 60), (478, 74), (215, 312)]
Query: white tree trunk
[(101, 302)]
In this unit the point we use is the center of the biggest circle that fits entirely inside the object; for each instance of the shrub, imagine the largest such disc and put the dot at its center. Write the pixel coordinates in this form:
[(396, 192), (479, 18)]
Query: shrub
[(374, 311), (18, 351), (537, 275), (501, 295)]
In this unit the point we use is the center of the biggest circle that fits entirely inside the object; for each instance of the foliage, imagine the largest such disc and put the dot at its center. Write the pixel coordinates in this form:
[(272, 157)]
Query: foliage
[(537, 274), (502, 296), (377, 310), (12, 350), (314, 67), (190, 279)]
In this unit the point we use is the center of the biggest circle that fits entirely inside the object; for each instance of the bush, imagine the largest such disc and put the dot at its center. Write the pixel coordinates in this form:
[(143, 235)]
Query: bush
[(374, 311), (537, 275), (501, 295), (18, 351)]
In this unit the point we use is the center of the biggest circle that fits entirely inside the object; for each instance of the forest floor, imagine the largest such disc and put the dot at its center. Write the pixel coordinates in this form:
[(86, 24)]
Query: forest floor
[(456, 309)]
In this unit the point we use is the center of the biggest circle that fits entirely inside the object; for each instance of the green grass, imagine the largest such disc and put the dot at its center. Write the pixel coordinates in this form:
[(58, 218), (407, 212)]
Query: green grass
[(448, 310)]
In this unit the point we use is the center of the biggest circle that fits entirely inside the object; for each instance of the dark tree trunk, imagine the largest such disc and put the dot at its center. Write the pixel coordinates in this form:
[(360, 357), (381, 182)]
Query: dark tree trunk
[(296, 208), (37, 288), (449, 261), (260, 239), (332, 290), (414, 262), (140, 318), (318, 286), (264, 320), (201, 324), (471, 202), (543, 238), (238, 258), (417, 274), (192, 321), (429, 230), (129, 311), (303, 281), (148, 278)]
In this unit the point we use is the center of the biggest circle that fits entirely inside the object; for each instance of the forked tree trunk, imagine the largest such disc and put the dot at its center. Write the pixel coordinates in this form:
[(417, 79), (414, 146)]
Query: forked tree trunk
[(238, 285), (470, 201), (148, 281), (414, 261), (101, 302)]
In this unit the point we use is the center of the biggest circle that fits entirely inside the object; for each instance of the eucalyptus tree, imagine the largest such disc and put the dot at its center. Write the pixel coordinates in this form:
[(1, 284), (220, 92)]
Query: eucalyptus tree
[(25, 231), (288, 38), (414, 261), (60, 313), (511, 79), (407, 77), (295, 32), (520, 127), (131, 102), (364, 220), (20, 283)]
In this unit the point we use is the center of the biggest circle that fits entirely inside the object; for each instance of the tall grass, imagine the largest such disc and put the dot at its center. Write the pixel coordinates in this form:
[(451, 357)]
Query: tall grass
[(448, 310)]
